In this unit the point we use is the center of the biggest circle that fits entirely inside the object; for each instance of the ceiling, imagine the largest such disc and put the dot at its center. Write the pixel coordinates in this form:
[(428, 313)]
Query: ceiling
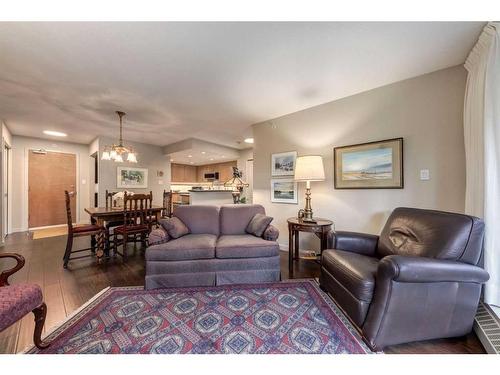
[(205, 80), (198, 152)]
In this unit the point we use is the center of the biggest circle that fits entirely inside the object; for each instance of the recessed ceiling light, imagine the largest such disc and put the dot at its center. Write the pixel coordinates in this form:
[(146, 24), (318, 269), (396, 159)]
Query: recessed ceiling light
[(248, 140), (54, 133), (190, 156), (211, 158), (203, 152)]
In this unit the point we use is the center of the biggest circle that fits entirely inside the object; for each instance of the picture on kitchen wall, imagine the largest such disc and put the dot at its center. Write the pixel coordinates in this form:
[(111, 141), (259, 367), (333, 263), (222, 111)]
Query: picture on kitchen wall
[(132, 178), (284, 190), (373, 165), (283, 164)]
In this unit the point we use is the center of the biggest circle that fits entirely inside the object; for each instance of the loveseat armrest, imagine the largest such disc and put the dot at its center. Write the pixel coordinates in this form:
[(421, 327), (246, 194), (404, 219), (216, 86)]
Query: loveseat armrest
[(158, 236), (271, 233), (361, 243), (429, 270)]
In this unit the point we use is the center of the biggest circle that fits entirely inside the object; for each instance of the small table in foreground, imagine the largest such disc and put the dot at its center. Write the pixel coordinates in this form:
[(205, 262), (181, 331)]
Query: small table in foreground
[(295, 225)]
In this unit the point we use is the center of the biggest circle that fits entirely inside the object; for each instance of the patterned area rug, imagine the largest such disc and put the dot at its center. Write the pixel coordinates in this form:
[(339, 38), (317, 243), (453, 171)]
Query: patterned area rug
[(286, 317)]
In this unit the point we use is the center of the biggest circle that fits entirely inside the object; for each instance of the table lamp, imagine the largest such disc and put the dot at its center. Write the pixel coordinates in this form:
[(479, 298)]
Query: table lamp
[(309, 168)]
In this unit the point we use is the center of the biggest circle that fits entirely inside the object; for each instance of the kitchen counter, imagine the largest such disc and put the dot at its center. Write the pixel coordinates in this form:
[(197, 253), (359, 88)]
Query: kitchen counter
[(210, 191), (211, 197)]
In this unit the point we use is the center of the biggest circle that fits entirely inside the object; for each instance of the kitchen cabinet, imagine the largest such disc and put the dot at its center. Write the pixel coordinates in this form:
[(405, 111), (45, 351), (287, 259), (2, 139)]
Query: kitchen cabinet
[(190, 173), (183, 173)]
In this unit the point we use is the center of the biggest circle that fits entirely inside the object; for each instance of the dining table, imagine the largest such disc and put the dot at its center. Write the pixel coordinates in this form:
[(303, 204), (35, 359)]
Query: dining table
[(101, 215)]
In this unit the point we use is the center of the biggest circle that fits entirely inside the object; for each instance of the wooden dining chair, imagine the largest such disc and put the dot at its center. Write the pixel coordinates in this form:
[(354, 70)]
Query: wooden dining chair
[(167, 204), (96, 232), (137, 222), (109, 225), (109, 199)]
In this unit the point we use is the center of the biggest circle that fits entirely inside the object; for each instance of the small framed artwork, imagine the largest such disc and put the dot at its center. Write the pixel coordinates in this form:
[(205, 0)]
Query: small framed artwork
[(283, 164), (284, 190), (132, 178), (373, 165)]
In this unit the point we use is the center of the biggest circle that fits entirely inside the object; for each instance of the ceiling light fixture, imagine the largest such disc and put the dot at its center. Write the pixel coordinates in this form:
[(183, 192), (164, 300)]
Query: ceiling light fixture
[(248, 140), (54, 133), (203, 152), (190, 156), (117, 152)]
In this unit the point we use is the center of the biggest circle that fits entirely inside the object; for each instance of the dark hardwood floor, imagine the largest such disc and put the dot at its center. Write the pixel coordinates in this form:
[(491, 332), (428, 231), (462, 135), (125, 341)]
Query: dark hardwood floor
[(65, 290)]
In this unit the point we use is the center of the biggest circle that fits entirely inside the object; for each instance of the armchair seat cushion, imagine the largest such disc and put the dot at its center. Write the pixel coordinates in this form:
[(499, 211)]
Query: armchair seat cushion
[(16, 301), (188, 247), (245, 246), (355, 272)]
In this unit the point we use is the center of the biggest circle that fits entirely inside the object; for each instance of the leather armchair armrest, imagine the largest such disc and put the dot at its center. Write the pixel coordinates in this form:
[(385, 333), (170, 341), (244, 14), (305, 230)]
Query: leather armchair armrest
[(361, 243), (271, 233), (428, 270), (4, 276), (158, 236)]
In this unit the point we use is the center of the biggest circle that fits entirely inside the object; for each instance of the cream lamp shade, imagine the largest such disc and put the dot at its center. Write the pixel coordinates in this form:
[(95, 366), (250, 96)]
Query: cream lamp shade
[(309, 168)]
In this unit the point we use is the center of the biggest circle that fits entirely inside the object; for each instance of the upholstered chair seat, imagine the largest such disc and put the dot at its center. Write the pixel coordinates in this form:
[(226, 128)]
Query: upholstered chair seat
[(355, 278), (16, 301)]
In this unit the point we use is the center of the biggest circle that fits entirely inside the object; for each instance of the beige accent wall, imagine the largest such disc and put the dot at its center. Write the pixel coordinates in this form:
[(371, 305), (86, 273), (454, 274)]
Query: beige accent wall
[(148, 156), (426, 111)]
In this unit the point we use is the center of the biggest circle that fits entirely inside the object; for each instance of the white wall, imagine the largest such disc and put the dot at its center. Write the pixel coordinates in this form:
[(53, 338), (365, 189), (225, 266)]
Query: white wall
[(20, 147), (426, 111), (149, 156)]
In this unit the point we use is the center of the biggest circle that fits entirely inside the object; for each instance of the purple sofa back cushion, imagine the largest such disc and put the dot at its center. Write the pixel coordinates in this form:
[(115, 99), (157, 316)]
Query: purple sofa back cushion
[(199, 219), (234, 218)]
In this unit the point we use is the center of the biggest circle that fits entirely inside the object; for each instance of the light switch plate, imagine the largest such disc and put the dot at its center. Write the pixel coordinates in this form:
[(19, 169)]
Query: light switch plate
[(425, 174)]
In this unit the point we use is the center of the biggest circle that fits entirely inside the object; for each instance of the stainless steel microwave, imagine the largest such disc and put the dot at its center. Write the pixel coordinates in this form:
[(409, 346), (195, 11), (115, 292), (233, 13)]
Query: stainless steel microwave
[(213, 176)]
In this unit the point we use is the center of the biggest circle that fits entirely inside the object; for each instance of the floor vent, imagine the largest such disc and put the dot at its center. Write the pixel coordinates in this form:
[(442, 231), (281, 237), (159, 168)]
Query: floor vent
[(487, 328)]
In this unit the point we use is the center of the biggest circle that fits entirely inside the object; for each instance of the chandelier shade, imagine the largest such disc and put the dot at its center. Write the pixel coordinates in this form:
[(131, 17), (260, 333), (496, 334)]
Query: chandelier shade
[(117, 152)]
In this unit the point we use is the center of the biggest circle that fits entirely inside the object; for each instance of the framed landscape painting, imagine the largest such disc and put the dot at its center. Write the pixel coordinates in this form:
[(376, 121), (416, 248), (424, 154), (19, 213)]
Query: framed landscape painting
[(284, 190), (283, 164), (373, 165), (131, 178)]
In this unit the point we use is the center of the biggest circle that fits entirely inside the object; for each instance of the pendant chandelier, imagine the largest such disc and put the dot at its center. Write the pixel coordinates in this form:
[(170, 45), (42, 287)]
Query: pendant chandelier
[(119, 151)]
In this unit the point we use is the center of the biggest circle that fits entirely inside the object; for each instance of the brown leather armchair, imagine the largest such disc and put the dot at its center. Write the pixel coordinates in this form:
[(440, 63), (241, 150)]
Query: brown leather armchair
[(418, 280)]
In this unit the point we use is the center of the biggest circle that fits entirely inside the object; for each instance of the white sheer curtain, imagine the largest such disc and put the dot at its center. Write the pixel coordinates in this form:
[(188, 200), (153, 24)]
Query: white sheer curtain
[(482, 148)]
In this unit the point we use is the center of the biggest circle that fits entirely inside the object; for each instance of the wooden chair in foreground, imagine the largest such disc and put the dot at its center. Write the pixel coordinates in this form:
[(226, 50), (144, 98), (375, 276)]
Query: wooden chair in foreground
[(137, 222), (18, 300), (95, 231)]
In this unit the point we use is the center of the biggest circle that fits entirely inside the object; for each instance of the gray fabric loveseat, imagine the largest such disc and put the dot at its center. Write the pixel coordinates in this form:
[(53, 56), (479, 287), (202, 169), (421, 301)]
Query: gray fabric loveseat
[(216, 251)]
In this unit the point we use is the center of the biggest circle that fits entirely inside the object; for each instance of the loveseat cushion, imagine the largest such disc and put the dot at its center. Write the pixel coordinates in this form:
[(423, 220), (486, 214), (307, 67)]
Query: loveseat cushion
[(244, 246), (200, 219), (234, 218), (258, 224), (174, 227), (16, 301), (355, 272), (188, 247)]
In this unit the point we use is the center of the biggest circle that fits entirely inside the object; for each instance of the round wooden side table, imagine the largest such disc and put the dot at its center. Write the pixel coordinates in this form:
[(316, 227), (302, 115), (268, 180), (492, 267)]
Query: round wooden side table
[(295, 225)]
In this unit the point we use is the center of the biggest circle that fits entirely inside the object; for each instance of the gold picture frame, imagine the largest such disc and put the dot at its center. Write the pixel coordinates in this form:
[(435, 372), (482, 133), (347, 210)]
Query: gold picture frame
[(371, 165)]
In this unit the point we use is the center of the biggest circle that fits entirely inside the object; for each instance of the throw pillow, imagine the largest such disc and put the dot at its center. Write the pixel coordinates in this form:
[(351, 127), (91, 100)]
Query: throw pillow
[(258, 224), (174, 227)]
